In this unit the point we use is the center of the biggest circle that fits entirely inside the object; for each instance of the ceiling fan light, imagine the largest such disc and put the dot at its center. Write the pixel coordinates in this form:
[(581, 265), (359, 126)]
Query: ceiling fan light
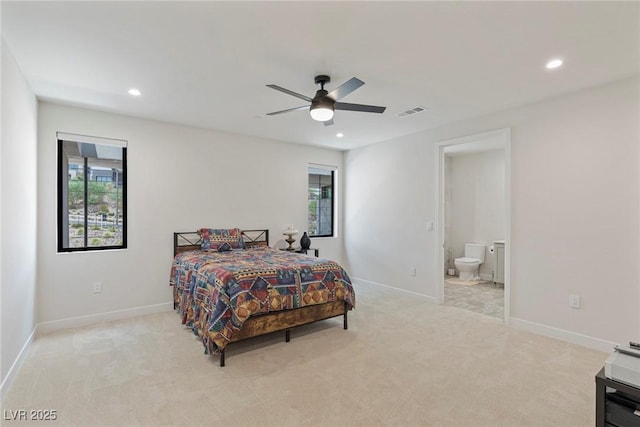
[(321, 114)]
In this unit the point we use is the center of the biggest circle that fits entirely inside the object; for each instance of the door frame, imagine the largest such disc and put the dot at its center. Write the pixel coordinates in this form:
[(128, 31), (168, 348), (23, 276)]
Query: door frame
[(500, 138)]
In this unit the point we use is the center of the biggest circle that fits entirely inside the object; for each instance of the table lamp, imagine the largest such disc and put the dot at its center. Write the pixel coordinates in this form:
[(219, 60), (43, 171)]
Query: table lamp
[(290, 231)]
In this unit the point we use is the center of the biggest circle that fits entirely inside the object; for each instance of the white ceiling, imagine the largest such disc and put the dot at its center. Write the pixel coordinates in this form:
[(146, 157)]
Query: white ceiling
[(206, 64)]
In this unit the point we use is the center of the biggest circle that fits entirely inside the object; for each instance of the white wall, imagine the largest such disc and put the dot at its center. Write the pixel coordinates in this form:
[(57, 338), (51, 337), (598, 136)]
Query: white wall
[(18, 215), (388, 200), (179, 179), (477, 209), (574, 211)]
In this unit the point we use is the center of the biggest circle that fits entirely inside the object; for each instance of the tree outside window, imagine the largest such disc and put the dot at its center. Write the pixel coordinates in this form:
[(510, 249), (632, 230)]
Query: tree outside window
[(91, 196)]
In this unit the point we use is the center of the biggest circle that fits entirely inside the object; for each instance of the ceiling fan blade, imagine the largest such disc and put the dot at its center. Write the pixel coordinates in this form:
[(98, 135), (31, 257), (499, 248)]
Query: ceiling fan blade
[(304, 107), (359, 107), (287, 91), (328, 122), (346, 88)]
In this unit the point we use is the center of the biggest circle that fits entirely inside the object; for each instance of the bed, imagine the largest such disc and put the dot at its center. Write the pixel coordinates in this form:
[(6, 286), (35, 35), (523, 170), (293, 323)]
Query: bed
[(229, 285)]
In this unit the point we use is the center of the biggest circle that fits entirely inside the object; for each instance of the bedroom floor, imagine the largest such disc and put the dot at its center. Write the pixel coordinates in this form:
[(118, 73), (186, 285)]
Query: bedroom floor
[(477, 296), (403, 361)]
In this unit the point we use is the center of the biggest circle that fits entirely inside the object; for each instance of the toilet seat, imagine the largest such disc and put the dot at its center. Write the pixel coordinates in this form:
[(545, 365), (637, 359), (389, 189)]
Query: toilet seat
[(468, 266), (465, 260)]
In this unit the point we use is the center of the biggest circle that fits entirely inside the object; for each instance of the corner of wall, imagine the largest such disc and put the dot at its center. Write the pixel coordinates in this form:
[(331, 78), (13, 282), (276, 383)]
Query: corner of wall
[(17, 364), (18, 165)]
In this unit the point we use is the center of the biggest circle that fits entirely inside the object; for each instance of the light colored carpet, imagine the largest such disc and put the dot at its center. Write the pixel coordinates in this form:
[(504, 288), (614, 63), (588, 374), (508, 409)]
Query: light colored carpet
[(403, 362)]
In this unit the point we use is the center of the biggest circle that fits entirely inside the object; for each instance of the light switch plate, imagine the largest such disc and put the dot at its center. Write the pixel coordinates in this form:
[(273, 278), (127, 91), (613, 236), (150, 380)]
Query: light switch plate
[(574, 301)]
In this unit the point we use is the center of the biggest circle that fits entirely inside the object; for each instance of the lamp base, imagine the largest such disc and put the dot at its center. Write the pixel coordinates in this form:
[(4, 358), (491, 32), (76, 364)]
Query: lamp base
[(290, 241)]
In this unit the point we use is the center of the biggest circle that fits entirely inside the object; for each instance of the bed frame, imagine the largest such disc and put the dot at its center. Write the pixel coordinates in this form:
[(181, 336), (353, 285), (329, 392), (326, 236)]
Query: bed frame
[(268, 323)]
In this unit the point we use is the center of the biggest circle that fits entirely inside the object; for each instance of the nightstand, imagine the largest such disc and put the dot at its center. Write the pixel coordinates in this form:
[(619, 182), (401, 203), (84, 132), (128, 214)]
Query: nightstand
[(299, 250), (616, 402), (316, 251)]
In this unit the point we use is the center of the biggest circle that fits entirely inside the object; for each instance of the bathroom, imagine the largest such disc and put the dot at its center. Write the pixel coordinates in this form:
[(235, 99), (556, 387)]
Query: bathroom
[(474, 218)]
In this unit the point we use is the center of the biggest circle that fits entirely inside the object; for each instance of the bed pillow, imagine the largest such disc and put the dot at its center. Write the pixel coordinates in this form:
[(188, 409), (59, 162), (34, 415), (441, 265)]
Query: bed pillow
[(214, 239)]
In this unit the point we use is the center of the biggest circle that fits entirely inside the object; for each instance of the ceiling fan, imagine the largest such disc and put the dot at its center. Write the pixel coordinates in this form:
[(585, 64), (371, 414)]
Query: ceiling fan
[(323, 104)]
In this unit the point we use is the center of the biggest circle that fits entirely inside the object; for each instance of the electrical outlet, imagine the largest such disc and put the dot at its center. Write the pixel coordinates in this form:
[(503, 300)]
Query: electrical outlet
[(97, 287), (412, 271), (429, 225), (574, 301)]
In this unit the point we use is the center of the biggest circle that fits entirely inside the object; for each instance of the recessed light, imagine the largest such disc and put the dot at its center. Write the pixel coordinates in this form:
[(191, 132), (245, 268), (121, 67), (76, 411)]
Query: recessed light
[(554, 63), (339, 134), (134, 92)]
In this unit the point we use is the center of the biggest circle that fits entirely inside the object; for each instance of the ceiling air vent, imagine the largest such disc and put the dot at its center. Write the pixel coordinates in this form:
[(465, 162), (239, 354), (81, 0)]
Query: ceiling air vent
[(415, 110)]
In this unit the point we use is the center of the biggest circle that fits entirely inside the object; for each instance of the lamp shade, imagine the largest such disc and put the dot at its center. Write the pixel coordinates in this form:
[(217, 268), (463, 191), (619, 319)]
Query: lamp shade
[(290, 230)]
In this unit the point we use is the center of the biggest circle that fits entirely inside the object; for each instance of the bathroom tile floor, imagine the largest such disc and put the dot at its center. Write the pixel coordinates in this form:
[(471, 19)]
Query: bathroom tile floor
[(483, 297)]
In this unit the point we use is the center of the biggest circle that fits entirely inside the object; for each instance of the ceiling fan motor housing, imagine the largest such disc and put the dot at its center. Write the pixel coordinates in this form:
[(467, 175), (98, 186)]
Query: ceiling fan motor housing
[(321, 100)]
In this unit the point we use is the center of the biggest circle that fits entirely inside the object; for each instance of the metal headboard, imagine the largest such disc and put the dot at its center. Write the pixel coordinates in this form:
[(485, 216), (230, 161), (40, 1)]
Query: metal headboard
[(191, 240), (253, 238)]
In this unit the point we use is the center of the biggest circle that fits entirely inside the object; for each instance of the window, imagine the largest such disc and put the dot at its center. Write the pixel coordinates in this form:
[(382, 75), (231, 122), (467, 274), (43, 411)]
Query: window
[(92, 193), (321, 201)]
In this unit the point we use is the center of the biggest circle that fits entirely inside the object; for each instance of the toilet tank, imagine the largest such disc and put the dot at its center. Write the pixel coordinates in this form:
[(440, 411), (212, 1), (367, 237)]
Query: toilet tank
[(471, 250)]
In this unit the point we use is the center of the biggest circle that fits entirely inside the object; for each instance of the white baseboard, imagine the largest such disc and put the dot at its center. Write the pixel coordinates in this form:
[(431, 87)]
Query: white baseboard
[(564, 335), (537, 328), (13, 371), (75, 322), (357, 280)]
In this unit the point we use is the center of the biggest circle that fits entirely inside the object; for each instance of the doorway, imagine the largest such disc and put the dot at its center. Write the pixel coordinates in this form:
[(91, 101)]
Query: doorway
[(450, 246)]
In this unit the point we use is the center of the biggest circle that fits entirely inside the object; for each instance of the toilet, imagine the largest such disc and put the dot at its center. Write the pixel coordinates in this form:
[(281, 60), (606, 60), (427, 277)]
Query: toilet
[(469, 264)]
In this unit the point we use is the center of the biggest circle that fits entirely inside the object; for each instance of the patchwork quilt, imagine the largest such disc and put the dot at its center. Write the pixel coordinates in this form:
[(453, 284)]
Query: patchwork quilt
[(217, 291)]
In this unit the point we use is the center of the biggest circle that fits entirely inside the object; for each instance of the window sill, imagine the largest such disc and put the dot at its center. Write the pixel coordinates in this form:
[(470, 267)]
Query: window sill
[(91, 251)]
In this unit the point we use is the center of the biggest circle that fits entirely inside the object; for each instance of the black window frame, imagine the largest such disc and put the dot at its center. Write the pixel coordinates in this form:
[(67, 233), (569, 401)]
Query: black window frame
[(63, 216), (333, 198)]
